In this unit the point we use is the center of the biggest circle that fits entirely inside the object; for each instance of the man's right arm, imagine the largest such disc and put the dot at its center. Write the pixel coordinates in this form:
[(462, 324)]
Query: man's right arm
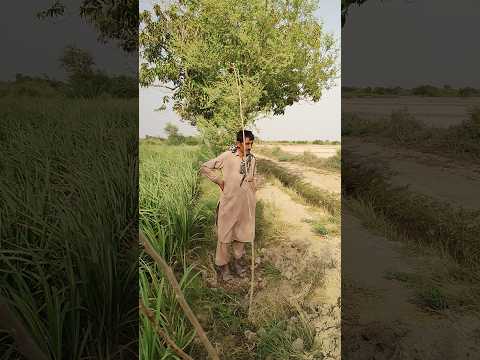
[(208, 169)]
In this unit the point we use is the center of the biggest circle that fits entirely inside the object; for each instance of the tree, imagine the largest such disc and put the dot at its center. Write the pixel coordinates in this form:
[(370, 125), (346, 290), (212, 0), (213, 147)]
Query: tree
[(84, 80), (173, 136), (113, 19), (346, 4), (467, 91), (196, 48), (426, 90), (171, 130), (76, 61)]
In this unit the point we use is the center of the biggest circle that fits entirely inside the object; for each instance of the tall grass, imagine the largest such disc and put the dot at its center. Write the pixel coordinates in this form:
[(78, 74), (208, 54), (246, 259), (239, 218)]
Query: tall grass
[(159, 296), (171, 218), (169, 191), (68, 205), (176, 213)]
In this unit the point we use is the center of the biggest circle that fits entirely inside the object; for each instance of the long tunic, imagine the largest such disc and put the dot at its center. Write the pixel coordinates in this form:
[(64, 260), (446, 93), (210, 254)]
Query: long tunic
[(236, 208)]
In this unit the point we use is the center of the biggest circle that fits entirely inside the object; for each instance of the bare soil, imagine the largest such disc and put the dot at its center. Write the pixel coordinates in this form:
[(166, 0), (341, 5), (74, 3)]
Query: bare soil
[(434, 111), (382, 316), (324, 180), (308, 266), (431, 175), (302, 252), (322, 151), (380, 319)]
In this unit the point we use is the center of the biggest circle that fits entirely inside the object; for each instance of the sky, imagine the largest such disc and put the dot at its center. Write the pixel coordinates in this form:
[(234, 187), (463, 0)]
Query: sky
[(412, 42), (301, 121), (36, 45)]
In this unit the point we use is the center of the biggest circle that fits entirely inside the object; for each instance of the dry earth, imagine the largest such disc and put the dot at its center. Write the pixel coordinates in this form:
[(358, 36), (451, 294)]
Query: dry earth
[(427, 174), (309, 265), (437, 112), (322, 151), (303, 252), (325, 180), (380, 319)]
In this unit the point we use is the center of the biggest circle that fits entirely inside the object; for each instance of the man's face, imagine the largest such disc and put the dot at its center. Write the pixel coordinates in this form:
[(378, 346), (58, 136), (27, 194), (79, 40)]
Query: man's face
[(248, 145)]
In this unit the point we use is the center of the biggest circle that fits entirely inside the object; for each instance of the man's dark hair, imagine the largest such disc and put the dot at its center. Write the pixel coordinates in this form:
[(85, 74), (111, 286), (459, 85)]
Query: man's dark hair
[(248, 134)]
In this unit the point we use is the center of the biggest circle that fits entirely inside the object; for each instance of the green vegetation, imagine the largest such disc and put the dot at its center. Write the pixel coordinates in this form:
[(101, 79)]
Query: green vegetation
[(83, 81), (279, 336), (446, 235), (432, 294), (275, 53), (422, 90), (432, 223), (271, 271), (431, 298), (193, 49), (325, 225), (320, 229), (314, 142), (457, 141), (168, 195), (346, 5), (425, 225), (180, 224), (332, 163), (69, 277), (112, 20), (311, 194), (171, 218), (175, 138)]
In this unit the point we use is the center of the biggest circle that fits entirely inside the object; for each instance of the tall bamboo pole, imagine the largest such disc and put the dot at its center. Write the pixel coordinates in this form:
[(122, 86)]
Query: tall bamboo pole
[(252, 265)]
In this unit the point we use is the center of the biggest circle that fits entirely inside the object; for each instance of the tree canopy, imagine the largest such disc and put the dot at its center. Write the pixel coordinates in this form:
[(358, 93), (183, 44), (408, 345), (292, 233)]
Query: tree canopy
[(346, 4), (195, 48), (113, 19)]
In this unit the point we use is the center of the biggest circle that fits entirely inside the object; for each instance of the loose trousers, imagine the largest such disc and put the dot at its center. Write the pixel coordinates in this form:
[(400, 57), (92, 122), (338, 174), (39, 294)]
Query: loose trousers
[(222, 256)]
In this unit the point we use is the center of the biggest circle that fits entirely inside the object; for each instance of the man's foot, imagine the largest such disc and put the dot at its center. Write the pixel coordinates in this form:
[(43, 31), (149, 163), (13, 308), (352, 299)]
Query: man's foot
[(224, 272), (239, 267)]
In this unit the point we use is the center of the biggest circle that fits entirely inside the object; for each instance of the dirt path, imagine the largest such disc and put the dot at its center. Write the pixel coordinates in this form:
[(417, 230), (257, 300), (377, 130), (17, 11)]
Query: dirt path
[(383, 323), (424, 174), (325, 180), (325, 248), (322, 298)]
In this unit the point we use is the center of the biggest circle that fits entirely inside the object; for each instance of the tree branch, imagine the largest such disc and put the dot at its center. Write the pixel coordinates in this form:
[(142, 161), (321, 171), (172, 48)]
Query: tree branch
[(25, 343), (165, 87), (167, 271), (150, 316)]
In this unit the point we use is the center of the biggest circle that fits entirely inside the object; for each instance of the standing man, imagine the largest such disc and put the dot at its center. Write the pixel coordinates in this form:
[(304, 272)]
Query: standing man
[(235, 218)]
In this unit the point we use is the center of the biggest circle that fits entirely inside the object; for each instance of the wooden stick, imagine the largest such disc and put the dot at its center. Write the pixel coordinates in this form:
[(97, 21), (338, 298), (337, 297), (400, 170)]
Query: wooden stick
[(179, 295), (25, 343), (151, 317), (252, 265)]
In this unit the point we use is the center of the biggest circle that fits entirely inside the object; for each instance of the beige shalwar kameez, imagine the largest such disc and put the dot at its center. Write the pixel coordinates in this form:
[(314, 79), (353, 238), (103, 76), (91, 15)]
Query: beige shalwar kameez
[(236, 208)]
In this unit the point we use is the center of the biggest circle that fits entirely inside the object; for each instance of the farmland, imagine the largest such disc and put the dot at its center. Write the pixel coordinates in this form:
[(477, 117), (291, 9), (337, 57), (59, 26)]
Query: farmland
[(432, 111), (68, 236), (410, 185), (321, 151), (293, 252)]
